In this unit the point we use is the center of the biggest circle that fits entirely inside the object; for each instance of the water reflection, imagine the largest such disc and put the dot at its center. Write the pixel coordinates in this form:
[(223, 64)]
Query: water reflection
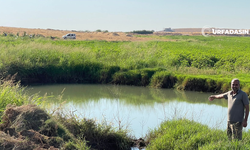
[(129, 94), (137, 109)]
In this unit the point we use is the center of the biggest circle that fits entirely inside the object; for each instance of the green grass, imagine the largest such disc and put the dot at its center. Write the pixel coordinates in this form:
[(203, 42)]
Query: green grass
[(98, 136), (195, 51), (205, 60), (12, 93), (190, 135)]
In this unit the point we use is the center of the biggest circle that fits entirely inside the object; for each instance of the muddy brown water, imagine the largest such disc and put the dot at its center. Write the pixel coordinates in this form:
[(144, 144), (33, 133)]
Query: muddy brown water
[(138, 109)]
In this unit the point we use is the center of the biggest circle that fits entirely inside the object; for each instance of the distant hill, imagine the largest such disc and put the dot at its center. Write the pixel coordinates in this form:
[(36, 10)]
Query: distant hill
[(108, 36), (80, 35)]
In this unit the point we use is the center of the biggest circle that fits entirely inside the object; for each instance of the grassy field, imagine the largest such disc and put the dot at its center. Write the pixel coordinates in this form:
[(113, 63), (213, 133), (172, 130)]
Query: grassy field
[(184, 62)]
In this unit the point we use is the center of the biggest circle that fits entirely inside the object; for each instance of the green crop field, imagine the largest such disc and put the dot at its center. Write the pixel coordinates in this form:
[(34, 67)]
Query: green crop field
[(208, 62)]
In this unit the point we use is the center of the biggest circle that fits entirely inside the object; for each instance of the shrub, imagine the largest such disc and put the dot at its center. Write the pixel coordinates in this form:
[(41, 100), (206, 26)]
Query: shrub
[(143, 32)]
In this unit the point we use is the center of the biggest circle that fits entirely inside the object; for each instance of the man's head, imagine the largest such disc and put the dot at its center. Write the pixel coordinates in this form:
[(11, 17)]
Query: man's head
[(235, 84)]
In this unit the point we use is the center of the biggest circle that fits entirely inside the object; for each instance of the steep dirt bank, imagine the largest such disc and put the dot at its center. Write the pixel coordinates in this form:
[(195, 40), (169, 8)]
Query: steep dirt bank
[(24, 128), (28, 127)]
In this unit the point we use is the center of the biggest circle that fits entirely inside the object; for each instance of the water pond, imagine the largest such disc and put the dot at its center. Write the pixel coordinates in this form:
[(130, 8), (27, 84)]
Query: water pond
[(137, 109)]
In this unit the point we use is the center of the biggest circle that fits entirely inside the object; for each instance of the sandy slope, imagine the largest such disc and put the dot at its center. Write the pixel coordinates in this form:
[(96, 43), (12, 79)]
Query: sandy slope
[(109, 36)]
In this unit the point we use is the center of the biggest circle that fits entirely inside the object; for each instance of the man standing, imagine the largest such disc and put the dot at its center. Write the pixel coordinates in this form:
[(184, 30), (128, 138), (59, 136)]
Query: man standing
[(237, 101)]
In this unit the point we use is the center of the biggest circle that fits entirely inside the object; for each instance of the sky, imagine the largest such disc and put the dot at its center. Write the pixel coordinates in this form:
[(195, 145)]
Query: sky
[(124, 15)]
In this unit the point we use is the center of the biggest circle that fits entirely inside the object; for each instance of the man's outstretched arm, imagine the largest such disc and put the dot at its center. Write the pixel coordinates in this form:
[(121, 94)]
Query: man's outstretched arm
[(212, 97)]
